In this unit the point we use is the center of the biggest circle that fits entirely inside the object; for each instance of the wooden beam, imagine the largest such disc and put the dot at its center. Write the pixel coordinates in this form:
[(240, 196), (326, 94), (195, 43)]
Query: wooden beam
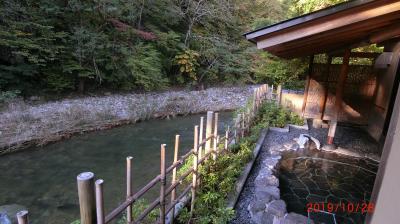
[(335, 22), (385, 34), (344, 33), (350, 37), (308, 80)]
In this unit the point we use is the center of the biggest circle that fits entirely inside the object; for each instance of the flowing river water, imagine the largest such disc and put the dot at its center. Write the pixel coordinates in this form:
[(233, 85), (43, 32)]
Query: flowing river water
[(43, 179)]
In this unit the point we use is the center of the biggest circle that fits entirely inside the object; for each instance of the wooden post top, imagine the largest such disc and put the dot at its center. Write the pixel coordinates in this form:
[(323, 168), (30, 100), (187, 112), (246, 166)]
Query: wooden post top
[(85, 176)]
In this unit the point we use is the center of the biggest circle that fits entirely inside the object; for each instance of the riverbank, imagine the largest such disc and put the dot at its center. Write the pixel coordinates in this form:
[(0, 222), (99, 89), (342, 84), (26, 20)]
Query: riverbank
[(24, 125)]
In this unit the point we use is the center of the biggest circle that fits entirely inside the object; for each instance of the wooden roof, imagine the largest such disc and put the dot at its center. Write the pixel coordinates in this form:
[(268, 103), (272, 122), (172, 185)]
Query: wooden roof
[(347, 25)]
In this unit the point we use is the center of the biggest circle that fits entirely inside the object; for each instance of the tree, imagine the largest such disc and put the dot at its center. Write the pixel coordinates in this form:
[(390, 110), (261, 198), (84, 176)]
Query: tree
[(300, 7), (29, 44), (58, 46)]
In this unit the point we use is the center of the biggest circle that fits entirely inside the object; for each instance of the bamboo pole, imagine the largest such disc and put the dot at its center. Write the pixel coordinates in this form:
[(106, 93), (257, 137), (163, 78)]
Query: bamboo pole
[(99, 202), (218, 139), (173, 192), (208, 131), (279, 94), (201, 137), (215, 136), (243, 123), (195, 161), (129, 187), (163, 183), (226, 139), (86, 195), (237, 127), (255, 98), (248, 119), (22, 217), (272, 92), (262, 92)]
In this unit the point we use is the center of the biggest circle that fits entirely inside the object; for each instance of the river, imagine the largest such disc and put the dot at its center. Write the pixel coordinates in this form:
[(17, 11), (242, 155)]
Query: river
[(43, 179)]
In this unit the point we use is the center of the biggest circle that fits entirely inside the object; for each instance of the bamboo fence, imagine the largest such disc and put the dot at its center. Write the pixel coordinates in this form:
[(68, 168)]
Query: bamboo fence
[(210, 146)]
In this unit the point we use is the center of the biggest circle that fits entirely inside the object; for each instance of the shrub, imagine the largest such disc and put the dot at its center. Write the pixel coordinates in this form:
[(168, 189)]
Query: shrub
[(276, 116), (8, 95)]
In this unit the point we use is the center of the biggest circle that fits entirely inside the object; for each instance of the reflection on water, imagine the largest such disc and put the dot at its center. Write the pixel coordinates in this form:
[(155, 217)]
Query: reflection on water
[(312, 176), (44, 179)]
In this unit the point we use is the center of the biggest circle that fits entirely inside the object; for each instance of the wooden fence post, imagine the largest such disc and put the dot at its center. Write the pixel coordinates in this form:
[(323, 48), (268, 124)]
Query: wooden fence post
[(279, 94), (208, 131), (195, 161), (201, 137), (226, 138), (163, 183), (243, 124), (237, 128), (261, 94), (86, 197), (22, 217), (129, 187), (255, 99), (173, 192), (99, 202), (248, 119), (272, 92), (266, 94), (215, 136)]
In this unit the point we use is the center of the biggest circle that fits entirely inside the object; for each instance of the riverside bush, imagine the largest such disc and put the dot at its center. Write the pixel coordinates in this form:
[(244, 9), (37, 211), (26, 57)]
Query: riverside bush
[(273, 115)]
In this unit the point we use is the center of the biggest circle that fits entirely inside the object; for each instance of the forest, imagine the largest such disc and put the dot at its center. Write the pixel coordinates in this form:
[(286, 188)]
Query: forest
[(53, 47)]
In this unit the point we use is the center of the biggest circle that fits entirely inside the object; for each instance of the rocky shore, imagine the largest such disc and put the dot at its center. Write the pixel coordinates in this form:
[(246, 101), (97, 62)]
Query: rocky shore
[(23, 125)]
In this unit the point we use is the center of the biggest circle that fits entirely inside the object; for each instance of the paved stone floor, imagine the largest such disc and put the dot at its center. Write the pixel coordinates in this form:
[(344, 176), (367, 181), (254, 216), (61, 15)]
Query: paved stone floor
[(316, 176), (318, 180)]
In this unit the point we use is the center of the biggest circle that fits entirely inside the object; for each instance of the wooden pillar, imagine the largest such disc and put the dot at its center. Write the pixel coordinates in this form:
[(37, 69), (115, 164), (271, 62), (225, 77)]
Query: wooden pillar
[(308, 80), (326, 88), (331, 131), (339, 95), (86, 197)]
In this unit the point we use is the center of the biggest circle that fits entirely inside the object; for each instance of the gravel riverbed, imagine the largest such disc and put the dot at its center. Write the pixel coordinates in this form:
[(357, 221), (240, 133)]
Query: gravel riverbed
[(23, 125)]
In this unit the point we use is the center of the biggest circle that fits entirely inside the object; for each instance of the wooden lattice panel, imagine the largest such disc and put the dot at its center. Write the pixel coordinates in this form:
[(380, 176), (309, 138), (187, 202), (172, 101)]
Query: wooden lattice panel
[(357, 97)]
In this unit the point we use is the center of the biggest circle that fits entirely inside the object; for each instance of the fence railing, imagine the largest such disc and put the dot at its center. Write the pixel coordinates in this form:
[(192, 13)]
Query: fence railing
[(208, 145)]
